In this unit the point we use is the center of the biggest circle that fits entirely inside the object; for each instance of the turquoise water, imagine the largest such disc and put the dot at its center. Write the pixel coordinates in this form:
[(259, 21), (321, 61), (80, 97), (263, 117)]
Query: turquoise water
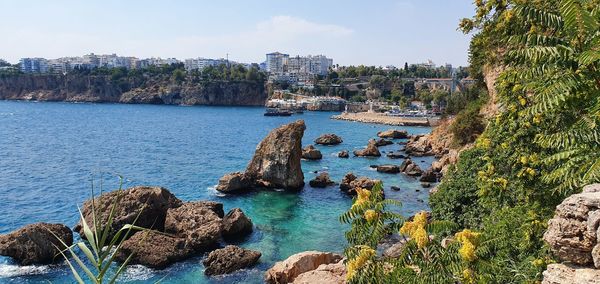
[(50, 151)]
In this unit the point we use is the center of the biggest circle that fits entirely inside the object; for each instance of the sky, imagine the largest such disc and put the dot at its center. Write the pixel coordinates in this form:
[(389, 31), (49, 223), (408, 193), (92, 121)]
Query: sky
[(352, 32)]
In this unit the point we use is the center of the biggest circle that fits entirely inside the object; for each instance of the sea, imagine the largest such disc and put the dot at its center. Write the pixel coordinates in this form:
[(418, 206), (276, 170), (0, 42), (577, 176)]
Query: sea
[(52, 153)]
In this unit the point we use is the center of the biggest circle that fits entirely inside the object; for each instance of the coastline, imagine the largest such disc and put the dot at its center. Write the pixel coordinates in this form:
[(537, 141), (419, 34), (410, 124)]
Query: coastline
[(378, 118)]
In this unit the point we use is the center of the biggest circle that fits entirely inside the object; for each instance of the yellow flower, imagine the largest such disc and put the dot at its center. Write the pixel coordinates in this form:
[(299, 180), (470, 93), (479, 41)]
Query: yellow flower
[(524, 160), (484, 143), (362, 197), (538, 262), (502, 182), (364, 255), (467, 235), (537, 118), (421, 219), (467, 251), (370, 215), (522, 101), (468, 277), (530, 172), (420, 236), (504, 145)]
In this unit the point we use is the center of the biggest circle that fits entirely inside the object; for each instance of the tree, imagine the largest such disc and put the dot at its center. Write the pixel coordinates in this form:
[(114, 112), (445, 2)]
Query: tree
[(178, 75), (405, 66)]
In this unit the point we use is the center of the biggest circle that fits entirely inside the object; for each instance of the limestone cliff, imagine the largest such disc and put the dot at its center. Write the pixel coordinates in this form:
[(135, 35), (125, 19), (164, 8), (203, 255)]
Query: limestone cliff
[(156, 90)]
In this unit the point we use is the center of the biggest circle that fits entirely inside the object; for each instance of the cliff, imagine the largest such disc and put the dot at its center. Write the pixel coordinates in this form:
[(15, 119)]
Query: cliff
[(158, 90)]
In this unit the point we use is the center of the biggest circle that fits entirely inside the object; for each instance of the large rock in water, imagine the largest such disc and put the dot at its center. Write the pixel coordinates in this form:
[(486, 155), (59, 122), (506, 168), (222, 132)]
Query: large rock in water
[(350, 183), (154, 250), (393, 133), (151, 203), (370, 151), (276, 162), (321, 181), (198, 223), (329, 139), (311, 153), (286, 271), (229, 259), (574, 231), (36, 243), (390, 169), (236, 224)]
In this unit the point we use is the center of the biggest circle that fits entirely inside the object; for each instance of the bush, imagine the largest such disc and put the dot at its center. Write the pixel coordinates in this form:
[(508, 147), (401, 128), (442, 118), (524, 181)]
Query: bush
[(467, 125)]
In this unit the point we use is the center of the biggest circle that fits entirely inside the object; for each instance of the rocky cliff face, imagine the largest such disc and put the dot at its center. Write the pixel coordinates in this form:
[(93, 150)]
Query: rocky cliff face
[(78, 88)]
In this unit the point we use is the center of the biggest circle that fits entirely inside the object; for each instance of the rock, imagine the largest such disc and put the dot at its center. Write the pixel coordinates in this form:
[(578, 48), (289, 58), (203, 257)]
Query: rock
[(410, 168), (277, 157), (343, 154), (151, 203), (389, 169), (154, 250), (328, 139), (395, 249), (395, 188), (345, 184), (558, 273), (393, 133), (373, 166), (333, 273), (234, 182), (236, 224), (350, 183), (433, 190), (419, 145), (36, 243), (197, 223), (229, 259), (286, 271), (321, 181), (396, 155), (370, 151), (428, 176), (311, 153), (573, 232), (383, 142), (425, 185), (275, 164)]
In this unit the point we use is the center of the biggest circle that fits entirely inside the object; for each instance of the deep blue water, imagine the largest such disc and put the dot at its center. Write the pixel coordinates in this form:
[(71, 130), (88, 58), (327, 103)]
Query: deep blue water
[(51, 152)]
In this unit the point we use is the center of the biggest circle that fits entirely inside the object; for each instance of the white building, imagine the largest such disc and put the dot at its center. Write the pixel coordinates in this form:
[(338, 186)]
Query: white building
[(34, 65), (296, 69), (201, 63)]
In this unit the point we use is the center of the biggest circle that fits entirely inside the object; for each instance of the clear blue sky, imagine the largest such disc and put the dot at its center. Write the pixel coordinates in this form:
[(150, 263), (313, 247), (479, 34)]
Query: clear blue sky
[(351, 32)]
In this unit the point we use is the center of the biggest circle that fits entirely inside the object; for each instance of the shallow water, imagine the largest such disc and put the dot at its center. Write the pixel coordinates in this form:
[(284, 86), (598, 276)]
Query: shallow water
[(50, 151)]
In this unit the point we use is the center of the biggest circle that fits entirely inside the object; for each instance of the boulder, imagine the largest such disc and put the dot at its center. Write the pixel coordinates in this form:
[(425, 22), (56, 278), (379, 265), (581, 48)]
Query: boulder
[(229, 259), (370, 151), (419, 145), (425, 185), (393, 134), (558, 273), (333, 273), (428, 176), (350, 183), (321, 181), (36, 243), (311, 153), (150, 203), (328, 139), (343, 154), (389, 169), (383, 142), (395, 249), (396, 155), (236, 224), (395, 188), (286, 271), (154, 250), (574, 231), (197, 223), (410, 168), (234, 182), (275, 164)]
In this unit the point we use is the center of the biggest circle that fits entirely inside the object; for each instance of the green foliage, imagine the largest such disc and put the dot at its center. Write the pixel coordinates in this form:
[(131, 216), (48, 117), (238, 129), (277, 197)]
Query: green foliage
[(99, 250), (467, 125)]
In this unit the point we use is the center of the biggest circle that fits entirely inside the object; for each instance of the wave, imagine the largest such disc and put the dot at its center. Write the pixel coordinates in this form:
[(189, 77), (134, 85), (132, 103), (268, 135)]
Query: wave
[(14, 270)]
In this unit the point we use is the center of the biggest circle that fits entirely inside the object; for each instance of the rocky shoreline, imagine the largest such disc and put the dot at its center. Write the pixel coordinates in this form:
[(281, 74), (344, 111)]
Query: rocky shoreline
[(380, 118)]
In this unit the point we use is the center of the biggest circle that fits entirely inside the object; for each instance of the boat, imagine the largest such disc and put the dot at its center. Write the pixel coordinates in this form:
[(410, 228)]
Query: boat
[(277, 112)]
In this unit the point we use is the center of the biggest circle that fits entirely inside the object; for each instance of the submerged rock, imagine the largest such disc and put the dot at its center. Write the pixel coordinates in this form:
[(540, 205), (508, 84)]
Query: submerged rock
[(150, 202), (286, 271), (229, 259), (329, 139), (370, 151), (197, 223), (236, 224), (344, 154), (311, 153), (36, 243), (393, 133), (395, 188), (275, 164), (321, 181), (396, 155), (154, 250)]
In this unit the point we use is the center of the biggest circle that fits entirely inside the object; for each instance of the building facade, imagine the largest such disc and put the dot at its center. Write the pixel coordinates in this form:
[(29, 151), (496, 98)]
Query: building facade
[(297, 69)]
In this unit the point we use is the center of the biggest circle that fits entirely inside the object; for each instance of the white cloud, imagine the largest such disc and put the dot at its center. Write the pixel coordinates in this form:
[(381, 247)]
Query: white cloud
[(284, 33)]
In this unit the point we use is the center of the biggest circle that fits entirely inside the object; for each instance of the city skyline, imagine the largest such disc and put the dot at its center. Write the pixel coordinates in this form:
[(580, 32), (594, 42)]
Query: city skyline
[(352, 33)]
